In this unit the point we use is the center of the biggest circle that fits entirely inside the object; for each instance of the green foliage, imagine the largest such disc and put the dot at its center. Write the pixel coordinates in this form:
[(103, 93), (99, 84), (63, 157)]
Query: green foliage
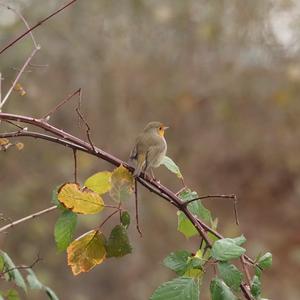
[(64, 229), (13, 273), (118, 243), (125, 219), (226, 249), (34, 283), (181, 288), (230, 274), (11, 294), (171, 166), (265, 261), (220, 291), (185, 226), (178, 261), (256, 287)]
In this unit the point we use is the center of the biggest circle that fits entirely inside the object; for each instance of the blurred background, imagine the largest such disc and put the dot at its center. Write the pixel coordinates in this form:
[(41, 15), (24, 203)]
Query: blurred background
[(223, 74)]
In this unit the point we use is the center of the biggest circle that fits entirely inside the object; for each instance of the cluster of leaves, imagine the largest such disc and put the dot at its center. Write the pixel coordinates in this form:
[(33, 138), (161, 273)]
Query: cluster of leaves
[(5, 144), (10, 272), (92, 248), (191, 268)]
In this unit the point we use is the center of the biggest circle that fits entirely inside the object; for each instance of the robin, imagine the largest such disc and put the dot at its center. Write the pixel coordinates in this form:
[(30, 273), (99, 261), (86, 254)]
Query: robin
[(149, 149)]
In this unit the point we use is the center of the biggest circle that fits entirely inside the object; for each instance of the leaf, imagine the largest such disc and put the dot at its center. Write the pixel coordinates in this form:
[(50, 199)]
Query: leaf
[(80, 201), (34, 283), (265, 261), (86, 252), (99, 182), (178, 261), (51, 295), (19, 88), (231, 275), (122, 183), (185, 226), (181, 288), (14, 273), (125, 219), (239, 240), (256, 287), (118, 243), (4, 141), (226, 249), (12, 294), (64, 229), (171, 166), (2, 263), (220, 291)]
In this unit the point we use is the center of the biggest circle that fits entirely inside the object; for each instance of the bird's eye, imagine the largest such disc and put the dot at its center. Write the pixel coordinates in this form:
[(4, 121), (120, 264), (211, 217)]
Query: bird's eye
[(160, 128)]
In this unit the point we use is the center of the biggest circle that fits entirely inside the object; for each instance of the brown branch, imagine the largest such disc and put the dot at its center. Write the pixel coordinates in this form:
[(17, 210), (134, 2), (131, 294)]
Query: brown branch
[(32, 216), (108, 217), (35, 26), (75, 165)]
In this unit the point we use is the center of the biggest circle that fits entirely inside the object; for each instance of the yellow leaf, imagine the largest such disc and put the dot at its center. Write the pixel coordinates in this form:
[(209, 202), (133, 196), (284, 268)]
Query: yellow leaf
[(19, 146), (86, 252), (122, 184), (99, 182), (4, 141), (18, 88), (80, 201)]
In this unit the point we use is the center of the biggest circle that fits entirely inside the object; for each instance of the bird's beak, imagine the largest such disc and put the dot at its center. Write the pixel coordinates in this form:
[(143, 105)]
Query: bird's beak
[(166, 127)]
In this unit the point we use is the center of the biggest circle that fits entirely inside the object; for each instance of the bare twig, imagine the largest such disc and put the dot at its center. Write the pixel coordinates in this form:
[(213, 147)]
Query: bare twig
[(60, 104), (75, 165), (35, 26), (32, 216), (246, 270), (22, 267), (18, 77), (137, 208), (108, 217)]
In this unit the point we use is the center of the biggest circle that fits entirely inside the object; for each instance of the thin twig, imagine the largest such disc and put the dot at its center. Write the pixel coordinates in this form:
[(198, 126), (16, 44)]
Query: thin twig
[(137, 209), (60, 104), (18, 77), (108, 217), (24, 21), (35, 26), (32, 216), (246, 270), (75, 165), (38, 259)]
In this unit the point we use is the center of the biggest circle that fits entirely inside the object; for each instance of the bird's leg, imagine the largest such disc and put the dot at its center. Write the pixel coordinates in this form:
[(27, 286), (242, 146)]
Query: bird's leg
[(153, 176)]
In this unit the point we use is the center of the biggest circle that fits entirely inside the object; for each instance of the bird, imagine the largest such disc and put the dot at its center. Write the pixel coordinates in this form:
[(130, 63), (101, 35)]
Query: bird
[(149, 149)]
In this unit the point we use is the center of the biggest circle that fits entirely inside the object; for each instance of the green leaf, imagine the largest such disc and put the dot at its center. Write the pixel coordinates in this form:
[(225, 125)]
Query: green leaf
[(231, 275), (196, 208), (220, 291), (14, 273), (125, 219), (34, 283), (1, 294), (181, 288), (51, 295), (185, 226), (2, 263), (118, 243), (171, 166), (256, 287), (178, 261), (99, 182), (265, 261), (239, 240), (226, 249), (64, 229), (12, 294)]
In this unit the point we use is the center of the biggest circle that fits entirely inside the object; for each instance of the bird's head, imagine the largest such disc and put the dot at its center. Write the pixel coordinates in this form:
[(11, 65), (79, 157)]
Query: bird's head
[(156, 127)]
